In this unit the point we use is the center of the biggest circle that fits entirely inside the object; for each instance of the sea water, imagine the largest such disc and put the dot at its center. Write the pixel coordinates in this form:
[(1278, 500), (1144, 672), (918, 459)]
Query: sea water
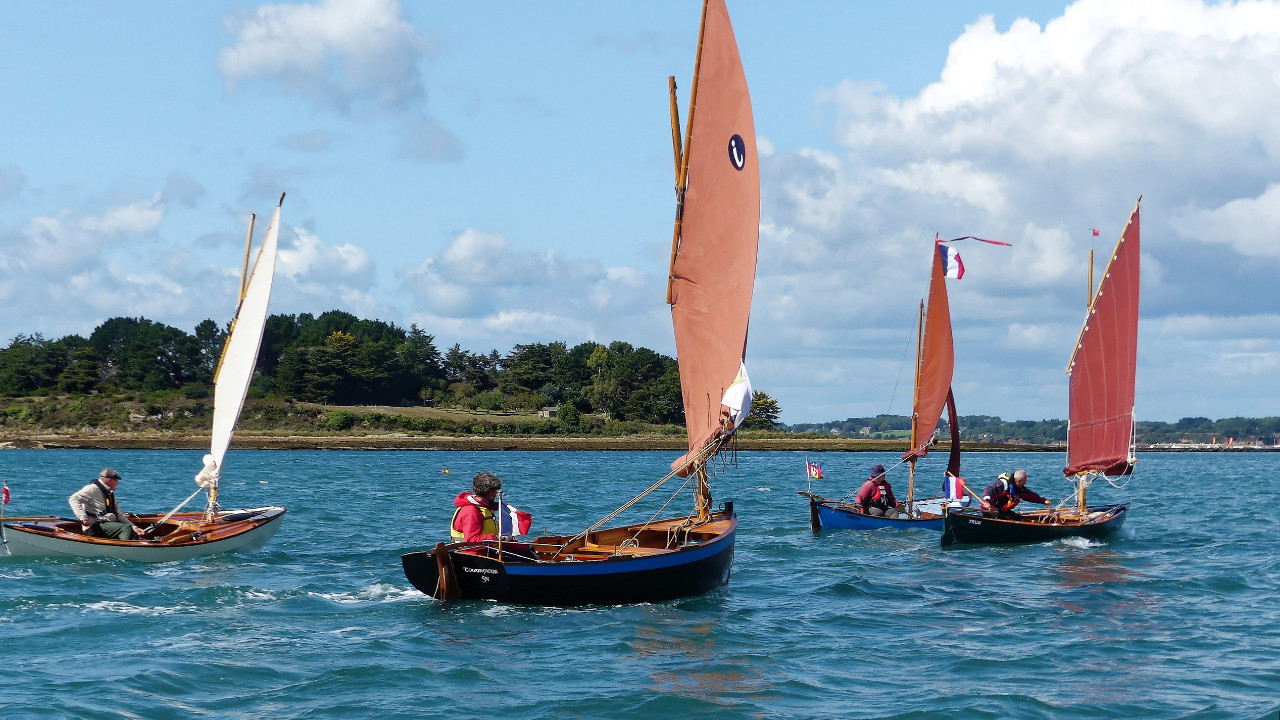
[(1174, 617)]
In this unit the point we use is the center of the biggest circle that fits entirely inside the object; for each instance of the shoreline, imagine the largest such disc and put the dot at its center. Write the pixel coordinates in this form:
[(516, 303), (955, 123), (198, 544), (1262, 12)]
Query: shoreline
[(155, 440)]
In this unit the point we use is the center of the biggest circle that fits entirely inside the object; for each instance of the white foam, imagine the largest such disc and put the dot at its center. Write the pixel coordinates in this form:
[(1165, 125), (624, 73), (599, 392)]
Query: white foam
[(1079, 542), (378, 592), (124, 608)]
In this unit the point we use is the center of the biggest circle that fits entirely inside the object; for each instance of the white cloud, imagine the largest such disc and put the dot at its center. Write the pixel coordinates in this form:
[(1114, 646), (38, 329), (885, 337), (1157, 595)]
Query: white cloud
[(313, 276), (482, 289), (1033, 135), (353, 56), (1250, 225), (137, 217), (337, 51)]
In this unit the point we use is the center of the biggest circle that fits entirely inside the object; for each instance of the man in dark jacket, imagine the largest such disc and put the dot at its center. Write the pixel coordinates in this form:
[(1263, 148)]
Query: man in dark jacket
[(95, 507), (1003, 495)]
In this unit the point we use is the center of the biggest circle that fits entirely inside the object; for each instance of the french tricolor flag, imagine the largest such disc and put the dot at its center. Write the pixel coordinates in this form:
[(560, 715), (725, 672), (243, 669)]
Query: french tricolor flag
[(953, 487), (951, 264), (512, 522)]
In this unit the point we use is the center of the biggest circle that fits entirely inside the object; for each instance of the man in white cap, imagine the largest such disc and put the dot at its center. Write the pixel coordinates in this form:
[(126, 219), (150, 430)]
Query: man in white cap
[(96, 509)]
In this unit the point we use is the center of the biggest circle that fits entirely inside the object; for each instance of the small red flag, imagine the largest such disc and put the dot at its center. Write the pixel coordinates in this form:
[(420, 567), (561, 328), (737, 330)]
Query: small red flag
[(1095, 232), (6, 494)]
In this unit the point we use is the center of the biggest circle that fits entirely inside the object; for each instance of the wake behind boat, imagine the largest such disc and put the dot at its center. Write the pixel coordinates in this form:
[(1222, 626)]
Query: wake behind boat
[(1100, 441), (712, 277), (177, 535)]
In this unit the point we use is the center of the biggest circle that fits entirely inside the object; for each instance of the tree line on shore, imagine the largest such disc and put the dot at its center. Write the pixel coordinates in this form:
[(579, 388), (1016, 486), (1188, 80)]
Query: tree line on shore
[(337, 358), (987, 428)]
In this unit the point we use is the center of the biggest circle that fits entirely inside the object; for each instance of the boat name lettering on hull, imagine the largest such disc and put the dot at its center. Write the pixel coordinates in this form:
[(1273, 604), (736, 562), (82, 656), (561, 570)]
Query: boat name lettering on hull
[(486, 571)]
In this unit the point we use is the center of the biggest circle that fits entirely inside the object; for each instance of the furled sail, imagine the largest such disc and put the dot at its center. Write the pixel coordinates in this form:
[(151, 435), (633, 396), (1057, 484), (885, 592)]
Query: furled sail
[(936, 362), (1103, 367), (713, 271), (235, 372)]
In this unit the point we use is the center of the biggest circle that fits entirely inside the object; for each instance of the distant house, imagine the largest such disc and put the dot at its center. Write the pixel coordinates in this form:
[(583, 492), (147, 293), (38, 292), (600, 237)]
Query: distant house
[(549, 413)]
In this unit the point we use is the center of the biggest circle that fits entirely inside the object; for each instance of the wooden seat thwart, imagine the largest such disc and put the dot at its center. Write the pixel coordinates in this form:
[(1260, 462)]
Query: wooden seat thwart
[(622, 550)]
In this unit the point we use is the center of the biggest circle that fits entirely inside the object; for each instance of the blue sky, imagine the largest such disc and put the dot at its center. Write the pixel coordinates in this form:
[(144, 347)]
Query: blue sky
[(501, 173)]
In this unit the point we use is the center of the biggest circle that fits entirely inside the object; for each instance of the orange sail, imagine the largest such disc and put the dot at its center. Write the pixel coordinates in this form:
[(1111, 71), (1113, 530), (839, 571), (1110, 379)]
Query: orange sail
[(1103, 367), (935, 363), (714, 264)]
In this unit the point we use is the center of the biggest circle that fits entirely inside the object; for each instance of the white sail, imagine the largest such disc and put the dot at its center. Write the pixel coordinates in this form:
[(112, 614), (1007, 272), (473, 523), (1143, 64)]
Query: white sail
[(231, 384)]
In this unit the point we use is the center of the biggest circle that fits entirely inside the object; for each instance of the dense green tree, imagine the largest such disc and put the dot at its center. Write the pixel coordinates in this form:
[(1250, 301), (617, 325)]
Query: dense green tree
[(138, 354), (764, 412), (81, 374), (31, 363), (210, 340)]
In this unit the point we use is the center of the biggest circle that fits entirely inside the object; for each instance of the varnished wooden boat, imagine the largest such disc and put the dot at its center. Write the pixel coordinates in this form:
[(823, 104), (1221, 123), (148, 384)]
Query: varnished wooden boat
[(177, 535), (1103, 370), (629, 564), (181, 536), (710, 284), (935, 364)]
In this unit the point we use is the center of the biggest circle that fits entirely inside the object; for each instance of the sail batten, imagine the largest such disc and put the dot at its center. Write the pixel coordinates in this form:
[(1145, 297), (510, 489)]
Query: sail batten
[(1103, 366), (936, 364), (713, 272)]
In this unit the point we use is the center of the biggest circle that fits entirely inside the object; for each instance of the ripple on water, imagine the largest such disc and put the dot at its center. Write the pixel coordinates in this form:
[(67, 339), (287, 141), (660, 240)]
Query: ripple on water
[(1171, 618)]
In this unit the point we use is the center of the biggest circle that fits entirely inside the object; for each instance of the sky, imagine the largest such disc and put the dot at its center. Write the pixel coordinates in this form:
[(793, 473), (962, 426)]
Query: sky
[(502, 173)]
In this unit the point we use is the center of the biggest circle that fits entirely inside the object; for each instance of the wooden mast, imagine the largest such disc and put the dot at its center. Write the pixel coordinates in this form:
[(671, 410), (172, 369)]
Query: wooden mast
[(702, 494), (682, 154), (244, 283), (915, 408), (1082, 486)]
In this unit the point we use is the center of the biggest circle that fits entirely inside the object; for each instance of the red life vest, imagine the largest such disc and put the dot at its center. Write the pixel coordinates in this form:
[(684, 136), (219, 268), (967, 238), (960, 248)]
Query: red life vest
[(489, 524)]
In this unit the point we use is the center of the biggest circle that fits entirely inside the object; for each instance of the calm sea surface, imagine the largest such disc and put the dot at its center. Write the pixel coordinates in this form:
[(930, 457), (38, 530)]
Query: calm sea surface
[(1176, 617)]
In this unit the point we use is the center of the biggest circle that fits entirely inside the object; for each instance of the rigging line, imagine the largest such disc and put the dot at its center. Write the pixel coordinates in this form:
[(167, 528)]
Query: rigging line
[(701, 456), (886, 475), (898, 380), (636, 537)]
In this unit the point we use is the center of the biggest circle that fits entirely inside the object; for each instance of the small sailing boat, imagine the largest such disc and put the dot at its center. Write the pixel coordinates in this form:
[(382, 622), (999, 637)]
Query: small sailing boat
[(1100, 441), (711, 280), (935, 365), (177, 535)]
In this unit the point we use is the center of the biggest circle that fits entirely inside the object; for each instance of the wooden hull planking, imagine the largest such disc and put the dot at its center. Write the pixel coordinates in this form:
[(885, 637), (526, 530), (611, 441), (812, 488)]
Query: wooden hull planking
[(183, 536)]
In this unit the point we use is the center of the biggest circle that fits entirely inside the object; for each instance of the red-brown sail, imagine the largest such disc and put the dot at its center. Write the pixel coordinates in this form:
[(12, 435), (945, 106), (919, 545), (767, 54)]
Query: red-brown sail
[(1103, 367), (713, 271), (936, 363)]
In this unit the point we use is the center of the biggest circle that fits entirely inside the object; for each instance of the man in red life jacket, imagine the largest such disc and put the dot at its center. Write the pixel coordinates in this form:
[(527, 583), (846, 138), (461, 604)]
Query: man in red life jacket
[(1003, 495), (474, 518), (875, 497)]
